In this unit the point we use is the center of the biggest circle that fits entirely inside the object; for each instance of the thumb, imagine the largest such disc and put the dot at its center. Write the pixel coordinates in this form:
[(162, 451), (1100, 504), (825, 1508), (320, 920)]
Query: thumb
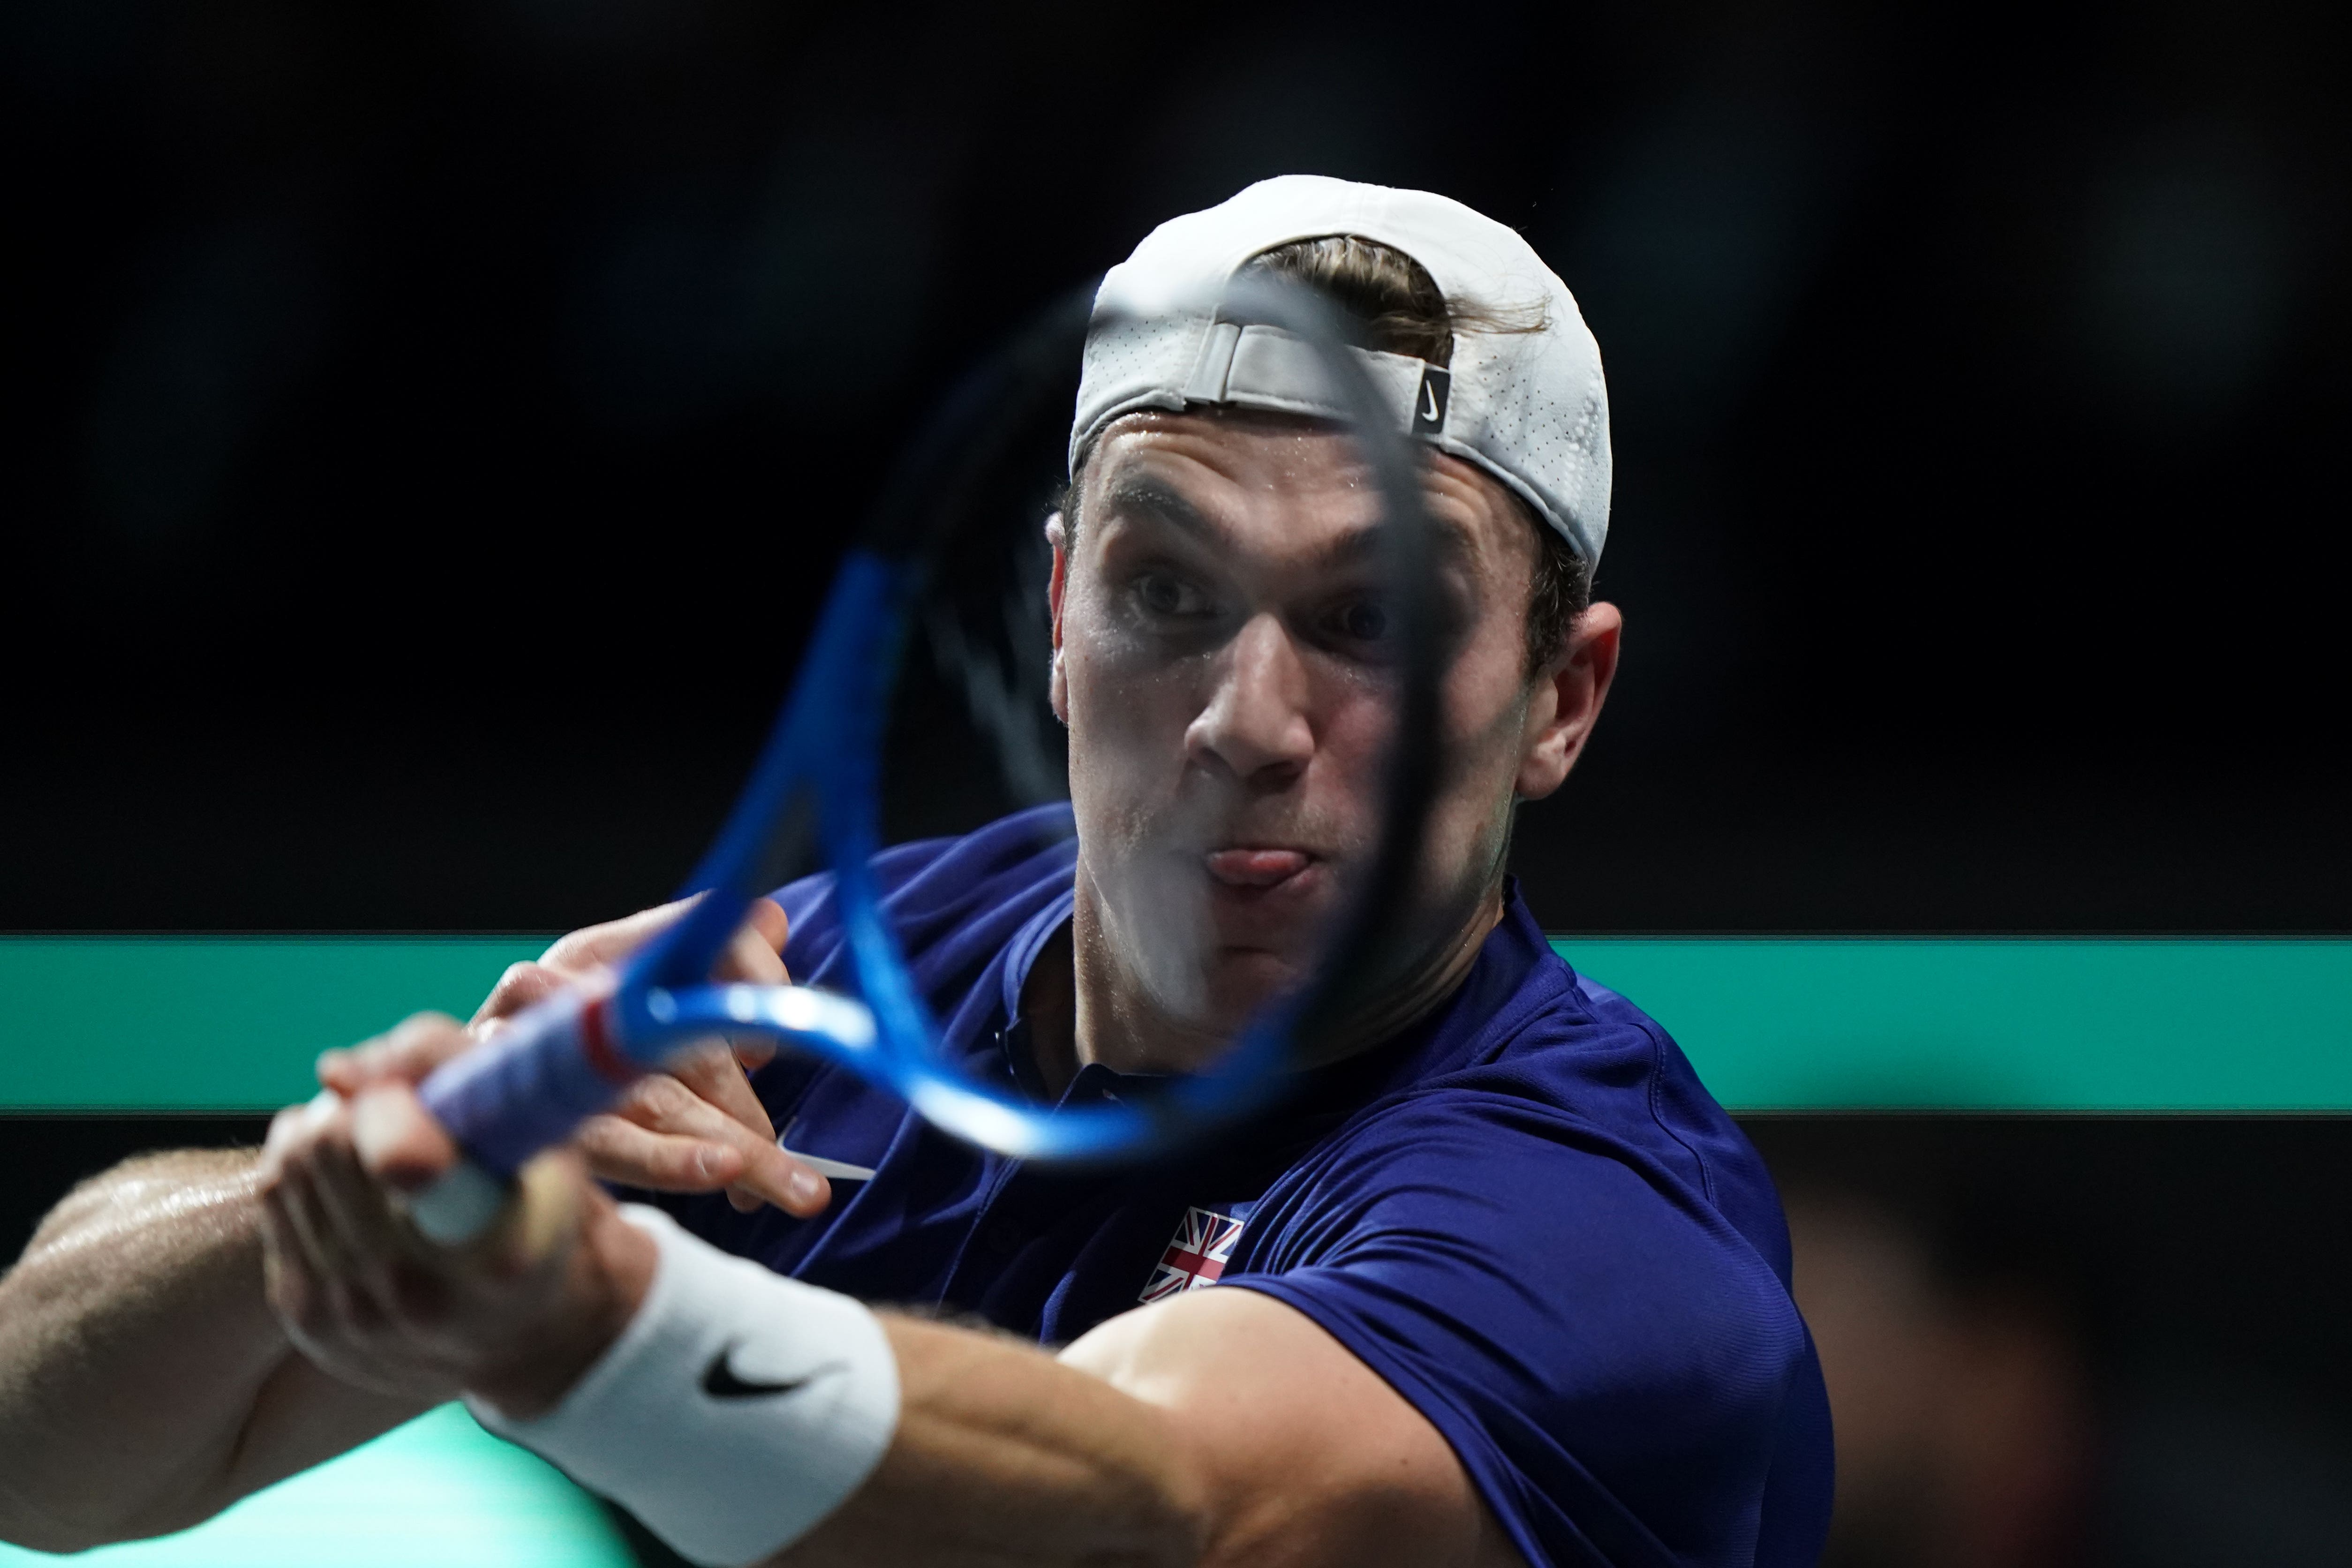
[(768, 918), (407, 1054), (396, 1138)]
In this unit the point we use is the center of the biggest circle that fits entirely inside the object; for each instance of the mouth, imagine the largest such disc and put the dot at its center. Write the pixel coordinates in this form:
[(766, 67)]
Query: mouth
[(1257, 866)]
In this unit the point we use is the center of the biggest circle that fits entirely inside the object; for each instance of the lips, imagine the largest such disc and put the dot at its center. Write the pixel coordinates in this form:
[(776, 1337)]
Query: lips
[(1255, 867)]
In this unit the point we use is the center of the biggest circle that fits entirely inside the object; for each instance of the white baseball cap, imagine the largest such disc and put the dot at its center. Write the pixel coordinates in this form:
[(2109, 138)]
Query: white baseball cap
[(1529, 406)]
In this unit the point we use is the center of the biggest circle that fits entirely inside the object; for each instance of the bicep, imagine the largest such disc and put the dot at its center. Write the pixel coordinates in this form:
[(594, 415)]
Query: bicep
[(1313, 1458)]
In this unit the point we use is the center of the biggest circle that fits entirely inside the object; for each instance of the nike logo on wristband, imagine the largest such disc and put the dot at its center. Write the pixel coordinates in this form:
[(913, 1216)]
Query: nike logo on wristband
[(720, 1381)]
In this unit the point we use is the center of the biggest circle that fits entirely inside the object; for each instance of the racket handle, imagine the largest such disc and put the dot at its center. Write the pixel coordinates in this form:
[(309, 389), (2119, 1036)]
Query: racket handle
[(549, 1069), (461, 1204)]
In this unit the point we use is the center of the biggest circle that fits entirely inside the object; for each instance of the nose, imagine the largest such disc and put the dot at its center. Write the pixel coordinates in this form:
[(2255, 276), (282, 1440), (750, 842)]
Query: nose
[(1256, 723)]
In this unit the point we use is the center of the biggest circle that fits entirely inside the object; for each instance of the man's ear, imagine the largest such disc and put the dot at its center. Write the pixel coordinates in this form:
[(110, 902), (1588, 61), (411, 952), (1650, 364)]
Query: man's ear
[(1565, 702), (1058, 688)]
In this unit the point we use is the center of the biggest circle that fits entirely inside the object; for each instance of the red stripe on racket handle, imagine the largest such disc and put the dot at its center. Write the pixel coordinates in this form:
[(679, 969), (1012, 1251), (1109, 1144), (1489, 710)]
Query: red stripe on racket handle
[(525, 1089)]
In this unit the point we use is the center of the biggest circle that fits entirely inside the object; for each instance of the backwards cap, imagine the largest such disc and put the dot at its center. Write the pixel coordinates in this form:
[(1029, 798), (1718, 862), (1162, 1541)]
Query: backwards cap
[(1529, 407)]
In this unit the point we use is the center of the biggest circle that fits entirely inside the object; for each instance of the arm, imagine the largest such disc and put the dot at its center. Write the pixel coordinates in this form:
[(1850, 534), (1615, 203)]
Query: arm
[(1224, 1427), (144, 1383), (1219, 1428)]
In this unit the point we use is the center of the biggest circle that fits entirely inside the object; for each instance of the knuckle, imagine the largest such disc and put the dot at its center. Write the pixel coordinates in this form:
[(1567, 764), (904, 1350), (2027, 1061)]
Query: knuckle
[(678, 1164), (705, 1068), (600, 1132), (668, 1097), (521, 983), (576, 949), (421, 1035)]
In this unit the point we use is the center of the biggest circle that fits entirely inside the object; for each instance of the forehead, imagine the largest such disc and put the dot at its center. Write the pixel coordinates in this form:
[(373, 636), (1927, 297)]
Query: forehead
[(1307, 475)]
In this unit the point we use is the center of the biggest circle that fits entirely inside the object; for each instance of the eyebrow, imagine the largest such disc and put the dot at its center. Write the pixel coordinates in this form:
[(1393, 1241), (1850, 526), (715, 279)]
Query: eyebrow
[(1152, 498), (1453, 543), (1141, 493)]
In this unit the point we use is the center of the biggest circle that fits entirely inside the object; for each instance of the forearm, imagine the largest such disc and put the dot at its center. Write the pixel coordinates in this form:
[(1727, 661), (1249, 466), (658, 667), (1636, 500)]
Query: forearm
[(1004, 1454), (135, 1347)]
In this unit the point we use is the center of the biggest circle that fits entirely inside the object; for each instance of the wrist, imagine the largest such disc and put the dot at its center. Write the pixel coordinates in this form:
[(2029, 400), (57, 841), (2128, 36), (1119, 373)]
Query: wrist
[(605, 1281), (737, 1409)]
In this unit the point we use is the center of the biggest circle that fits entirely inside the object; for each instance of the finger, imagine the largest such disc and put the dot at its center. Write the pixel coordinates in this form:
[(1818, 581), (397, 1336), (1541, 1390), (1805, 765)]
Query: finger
[(771, 1174), (715, 1075), (361, 1313), (540, 1226), (594, 947), (286, 1274), (285, 1168), (396, 1138), (407, 1054), (749, 960), (600, 946), (522, 985), (767, 917), (752, 953), (284, 1130), (622, 1152), (662, 1104), (307, 1226), (751, 1052), (367, 1234), (785, 1181)]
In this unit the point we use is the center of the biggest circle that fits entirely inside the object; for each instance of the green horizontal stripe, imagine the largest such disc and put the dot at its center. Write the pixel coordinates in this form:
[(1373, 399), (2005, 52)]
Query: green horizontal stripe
[(215, 1023), (228, 1024), (1998, 1024)]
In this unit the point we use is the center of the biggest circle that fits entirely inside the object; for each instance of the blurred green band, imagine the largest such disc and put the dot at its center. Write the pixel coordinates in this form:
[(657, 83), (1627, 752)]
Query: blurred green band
[(110, 1024)]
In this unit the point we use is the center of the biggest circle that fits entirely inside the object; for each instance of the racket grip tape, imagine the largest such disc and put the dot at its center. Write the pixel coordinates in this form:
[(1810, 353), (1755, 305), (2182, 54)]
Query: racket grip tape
[(523, 1090)]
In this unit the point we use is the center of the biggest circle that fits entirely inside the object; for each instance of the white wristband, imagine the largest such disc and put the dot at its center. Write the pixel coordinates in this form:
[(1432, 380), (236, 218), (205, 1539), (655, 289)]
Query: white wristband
[(736, 1410)]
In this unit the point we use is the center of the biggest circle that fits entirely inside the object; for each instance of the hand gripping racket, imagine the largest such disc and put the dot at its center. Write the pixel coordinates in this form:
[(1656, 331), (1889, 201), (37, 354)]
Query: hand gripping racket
[(567, 1059)]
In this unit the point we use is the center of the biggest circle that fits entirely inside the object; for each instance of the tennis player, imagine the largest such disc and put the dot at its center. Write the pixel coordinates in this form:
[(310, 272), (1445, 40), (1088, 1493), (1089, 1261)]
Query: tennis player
[(1498, 1283)]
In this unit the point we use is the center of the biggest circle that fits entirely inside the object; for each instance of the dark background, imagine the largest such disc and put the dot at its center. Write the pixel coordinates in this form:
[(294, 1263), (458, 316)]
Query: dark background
[(429, 426)]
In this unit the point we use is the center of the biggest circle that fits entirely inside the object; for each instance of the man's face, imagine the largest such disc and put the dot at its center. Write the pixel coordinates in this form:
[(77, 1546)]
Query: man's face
[(1224, 670)]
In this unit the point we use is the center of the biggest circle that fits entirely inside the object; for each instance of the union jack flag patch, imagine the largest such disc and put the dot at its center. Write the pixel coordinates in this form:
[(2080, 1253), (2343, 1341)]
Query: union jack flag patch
[(1203, 1245)]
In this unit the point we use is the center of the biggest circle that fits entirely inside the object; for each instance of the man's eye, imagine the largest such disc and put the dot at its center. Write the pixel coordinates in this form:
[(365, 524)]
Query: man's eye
[(1363, 621), (1162, 594)]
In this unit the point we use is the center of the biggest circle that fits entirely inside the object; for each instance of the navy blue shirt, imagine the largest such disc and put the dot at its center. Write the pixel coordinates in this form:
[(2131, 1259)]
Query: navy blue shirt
[(1525, 1213)]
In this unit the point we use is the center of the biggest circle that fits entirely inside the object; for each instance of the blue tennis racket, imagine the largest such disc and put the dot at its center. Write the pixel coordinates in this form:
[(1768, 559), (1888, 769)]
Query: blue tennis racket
[(568, 1057)]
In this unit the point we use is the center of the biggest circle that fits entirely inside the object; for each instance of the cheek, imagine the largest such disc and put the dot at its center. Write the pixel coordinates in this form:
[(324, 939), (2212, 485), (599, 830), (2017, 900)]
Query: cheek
[(1486, 707), (1484, 723), (1128, 717)]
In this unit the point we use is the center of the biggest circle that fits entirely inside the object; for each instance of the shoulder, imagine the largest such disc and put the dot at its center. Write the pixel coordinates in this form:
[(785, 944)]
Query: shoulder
[(1603, 1065), (1727, 1169), (1582, 1323), (1499, 1186), (1532, 1045)]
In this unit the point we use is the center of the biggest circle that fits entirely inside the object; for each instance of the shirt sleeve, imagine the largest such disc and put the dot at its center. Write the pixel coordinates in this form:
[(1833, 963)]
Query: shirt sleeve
[(1617, 1369)]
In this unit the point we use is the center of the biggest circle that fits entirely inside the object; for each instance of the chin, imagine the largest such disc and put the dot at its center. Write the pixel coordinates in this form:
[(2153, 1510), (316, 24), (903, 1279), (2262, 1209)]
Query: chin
[(1242, 983)]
